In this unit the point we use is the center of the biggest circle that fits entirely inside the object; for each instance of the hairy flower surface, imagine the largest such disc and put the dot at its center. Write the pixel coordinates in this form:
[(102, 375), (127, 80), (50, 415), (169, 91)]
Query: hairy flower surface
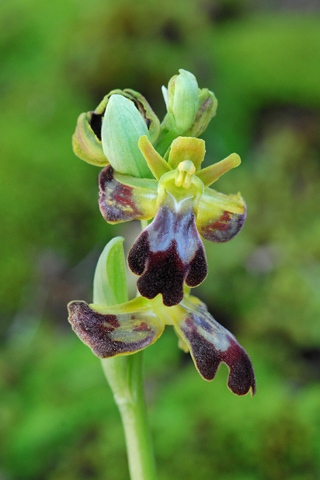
[(132, 326), (170, 252)]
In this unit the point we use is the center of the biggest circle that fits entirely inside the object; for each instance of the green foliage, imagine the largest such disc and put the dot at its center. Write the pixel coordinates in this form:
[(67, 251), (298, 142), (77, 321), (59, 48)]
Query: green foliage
[(58, 417)]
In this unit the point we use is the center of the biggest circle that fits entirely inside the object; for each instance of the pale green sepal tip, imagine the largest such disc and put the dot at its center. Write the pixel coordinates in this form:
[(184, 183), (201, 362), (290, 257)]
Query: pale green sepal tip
[(156, 163), (212, 173), (122, 127), (110, 283)]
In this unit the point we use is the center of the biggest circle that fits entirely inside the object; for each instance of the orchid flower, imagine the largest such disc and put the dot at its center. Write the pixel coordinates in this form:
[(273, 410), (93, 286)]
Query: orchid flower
[(134, 325), (170, 252), (152, 172)]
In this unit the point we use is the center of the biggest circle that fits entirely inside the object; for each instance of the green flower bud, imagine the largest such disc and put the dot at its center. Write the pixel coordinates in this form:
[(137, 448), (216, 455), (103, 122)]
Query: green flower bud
[(182, 101), (86, 140), (122, 127), (207, 109)]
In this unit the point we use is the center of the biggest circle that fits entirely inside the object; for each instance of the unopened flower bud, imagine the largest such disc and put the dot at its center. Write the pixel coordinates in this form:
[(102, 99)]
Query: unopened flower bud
[(182, 101), (122, 127), (207, 109), (86, 140)]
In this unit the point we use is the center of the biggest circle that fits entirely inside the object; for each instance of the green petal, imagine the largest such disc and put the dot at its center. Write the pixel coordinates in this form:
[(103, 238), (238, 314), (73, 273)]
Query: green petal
[(220, 217), (120, 330), (187, 148), (156, 163), (211, 174)]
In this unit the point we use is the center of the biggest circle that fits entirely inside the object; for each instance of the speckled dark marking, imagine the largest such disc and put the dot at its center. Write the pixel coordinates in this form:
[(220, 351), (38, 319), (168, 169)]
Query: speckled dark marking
[(143, 327), (208, 358), (93, 329), (224, 229), (165, 271), (116, 202)]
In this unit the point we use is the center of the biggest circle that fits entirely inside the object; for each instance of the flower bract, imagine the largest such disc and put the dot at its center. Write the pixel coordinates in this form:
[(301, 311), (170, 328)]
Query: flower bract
[(169, 252), (132, 326)]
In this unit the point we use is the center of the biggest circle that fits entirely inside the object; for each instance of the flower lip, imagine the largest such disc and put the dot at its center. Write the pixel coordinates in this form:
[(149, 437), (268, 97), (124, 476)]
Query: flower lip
[(169, 252)]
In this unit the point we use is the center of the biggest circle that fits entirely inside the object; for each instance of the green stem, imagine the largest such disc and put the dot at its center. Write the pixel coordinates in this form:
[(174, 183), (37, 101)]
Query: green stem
[(164, 142), (131, 403), (125, 373)]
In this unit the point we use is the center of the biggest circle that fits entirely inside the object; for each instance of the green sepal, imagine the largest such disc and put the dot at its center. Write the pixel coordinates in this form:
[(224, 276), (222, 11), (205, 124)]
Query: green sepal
[(150, 118), (140, 102), (122, 127)]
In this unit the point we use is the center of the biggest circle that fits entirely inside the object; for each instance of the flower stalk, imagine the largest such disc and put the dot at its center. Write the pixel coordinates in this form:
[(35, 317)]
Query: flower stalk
[(125, 373)]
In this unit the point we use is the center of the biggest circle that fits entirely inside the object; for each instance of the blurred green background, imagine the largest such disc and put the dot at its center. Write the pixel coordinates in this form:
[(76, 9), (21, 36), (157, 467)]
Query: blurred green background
[(262, 60)]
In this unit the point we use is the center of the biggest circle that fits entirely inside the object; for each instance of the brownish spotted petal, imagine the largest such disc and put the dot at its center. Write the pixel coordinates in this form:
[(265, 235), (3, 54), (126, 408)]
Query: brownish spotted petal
[(118, 330), (169, 252), (210, 344), (124, 198), (220, 217)]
